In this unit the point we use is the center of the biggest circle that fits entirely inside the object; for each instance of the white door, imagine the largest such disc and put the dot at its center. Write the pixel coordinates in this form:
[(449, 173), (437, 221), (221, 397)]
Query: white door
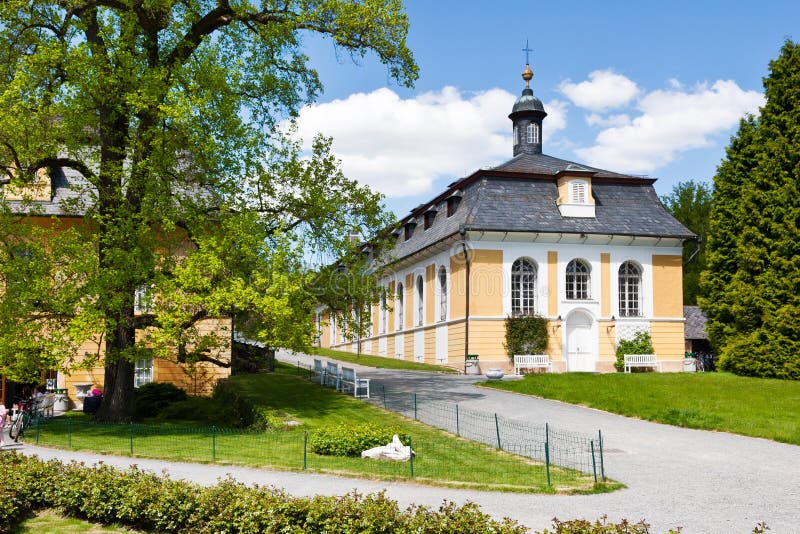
[(580, 343), (441, 344), (419, 346)]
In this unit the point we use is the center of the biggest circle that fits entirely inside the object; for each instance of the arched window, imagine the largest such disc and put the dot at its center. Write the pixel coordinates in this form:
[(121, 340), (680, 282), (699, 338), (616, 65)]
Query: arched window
[(630, 290), (516, 136), (442, 294), (420, 295), (384, 311), (523, 287), (399, 306), (533, 132), (578, 280)]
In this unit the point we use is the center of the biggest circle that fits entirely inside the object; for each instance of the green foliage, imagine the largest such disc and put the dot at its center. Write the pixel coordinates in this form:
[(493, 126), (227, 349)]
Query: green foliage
[(526, 335), (150, 399), (165, 120), (599, 526), (236, 409), (690, 203), (157, 504), (202, 411), (351, 440), (640, 343), (750, 289)]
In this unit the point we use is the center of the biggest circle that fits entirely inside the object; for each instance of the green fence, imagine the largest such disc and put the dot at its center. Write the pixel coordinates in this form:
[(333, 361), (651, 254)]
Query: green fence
[(440, 459)]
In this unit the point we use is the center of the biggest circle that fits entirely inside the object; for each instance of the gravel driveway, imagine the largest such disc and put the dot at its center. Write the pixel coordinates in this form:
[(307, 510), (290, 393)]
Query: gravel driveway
[(706, 482)]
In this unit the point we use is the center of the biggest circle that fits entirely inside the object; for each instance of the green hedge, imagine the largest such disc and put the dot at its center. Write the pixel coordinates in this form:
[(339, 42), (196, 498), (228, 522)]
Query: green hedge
[(526, 335), (352, 440), (154, 503), (640, 343)]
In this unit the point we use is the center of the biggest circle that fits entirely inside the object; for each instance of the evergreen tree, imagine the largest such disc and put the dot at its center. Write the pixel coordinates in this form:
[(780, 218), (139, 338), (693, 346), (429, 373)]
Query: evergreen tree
[(751, 289), (690, 203)]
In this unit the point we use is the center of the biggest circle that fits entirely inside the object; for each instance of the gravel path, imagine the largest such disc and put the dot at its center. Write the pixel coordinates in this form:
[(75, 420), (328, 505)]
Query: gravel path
[(706, 482)]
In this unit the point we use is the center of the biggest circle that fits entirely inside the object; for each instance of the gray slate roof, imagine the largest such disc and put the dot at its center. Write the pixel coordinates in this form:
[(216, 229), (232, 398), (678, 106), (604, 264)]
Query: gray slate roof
[(520, 196), (68, 187), (695, 326)]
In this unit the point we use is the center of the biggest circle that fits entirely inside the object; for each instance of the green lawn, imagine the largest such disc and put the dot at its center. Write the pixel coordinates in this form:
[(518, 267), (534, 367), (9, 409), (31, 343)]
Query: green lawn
[(381, 362), (441, 458), (54, 523), (759, 407)]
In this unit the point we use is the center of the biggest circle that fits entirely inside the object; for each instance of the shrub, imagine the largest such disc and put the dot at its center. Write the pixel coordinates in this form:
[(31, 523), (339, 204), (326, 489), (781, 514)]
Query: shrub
[(347, 440), (200, 410), (266, 419), (154, 503), (638, 344), (150, 399), (526, 335), (235, 409)]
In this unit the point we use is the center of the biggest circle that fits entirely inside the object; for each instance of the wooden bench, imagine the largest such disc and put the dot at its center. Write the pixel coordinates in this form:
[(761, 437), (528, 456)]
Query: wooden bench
[(640, 360), (332, 375), (351, 382), (531, 361)]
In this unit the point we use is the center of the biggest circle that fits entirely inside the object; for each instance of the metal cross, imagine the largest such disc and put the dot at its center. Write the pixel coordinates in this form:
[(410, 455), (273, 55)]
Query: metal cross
[(527, 51)]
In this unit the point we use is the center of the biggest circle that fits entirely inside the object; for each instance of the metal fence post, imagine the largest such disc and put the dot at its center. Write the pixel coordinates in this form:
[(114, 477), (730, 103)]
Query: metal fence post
[(131, 434), (594, 465), (305, 449), (600, 443), (411, 454), (38, 419), (497, 428), (213, 443), (547, 461), (458, 429)]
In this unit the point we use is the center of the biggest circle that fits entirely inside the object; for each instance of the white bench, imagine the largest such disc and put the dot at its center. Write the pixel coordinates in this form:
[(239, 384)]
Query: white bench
[(640, 360), (332, 375), (531, 361), (319, 370), (350, 381)]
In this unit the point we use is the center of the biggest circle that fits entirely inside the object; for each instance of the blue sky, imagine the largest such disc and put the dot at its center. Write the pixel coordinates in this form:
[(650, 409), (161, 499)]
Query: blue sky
[(644, 88)]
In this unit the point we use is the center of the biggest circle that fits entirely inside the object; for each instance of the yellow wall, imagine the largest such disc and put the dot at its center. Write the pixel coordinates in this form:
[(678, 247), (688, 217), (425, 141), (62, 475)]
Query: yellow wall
[(458, 289), (486, 339), (390, 348), (40, 190), (408, 346), (605, 284), (554, 345), (667, 286), (668, 340), (455, 344), (430, 294), (430, 345), (607, 342), (563, 188), (486, 283), (325, 340), (552, 283)]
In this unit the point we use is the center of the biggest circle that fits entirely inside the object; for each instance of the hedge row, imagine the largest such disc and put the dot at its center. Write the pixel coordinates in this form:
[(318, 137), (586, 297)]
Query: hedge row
[(154, 503)]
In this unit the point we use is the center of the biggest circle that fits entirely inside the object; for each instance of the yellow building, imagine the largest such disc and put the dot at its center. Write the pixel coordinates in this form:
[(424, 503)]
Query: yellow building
[(592, 251), (42, 204)]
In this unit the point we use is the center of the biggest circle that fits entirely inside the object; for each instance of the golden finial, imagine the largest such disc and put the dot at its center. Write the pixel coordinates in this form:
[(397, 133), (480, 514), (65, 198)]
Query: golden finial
[(527, 74)]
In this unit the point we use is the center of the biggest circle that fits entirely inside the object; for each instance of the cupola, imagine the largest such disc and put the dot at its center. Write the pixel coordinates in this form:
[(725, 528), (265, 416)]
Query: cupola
[(527, 115)]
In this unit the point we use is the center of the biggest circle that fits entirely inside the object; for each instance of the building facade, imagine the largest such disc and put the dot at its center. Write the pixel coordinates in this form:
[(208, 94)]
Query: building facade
[(592, 251)]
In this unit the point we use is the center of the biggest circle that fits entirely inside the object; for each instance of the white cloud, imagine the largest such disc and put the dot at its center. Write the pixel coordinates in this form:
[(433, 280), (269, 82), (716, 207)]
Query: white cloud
[(604, 90), (670, 122), (400, 146), (595, 119)]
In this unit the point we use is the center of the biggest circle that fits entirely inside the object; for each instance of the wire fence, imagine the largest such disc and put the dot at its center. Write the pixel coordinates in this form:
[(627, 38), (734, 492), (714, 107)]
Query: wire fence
[(541, 442), (437, 458)]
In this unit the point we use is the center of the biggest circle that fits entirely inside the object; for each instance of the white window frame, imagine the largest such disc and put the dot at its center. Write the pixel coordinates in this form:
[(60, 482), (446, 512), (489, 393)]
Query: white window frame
[(578, 282), (420, 290), (578, 192), (630, 289), (143, 299), (523, 287), (532, 132), (443, 293), (142, 371), (399, 306)]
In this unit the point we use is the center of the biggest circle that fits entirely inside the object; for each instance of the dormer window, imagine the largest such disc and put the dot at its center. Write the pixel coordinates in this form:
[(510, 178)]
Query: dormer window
[(452, 204), (577, 192), (409, 229), (430, 215)]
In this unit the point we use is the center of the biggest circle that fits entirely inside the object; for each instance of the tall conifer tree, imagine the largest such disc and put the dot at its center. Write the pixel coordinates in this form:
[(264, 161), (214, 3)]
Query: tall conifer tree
[(752, 284)]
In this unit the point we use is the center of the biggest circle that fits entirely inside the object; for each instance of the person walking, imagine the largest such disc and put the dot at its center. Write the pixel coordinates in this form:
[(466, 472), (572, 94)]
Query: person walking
[(3, 415)]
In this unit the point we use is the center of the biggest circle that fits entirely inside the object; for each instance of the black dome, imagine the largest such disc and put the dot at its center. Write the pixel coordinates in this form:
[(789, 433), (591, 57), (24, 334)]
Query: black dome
[(527, 102)]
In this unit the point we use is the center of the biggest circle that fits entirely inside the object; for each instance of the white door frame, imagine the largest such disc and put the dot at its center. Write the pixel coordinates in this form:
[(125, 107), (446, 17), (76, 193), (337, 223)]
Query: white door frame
[(581, 318)]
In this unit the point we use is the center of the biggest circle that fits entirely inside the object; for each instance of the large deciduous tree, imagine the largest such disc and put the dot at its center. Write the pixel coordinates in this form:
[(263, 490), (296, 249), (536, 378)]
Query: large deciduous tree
[(167, 111), (751, 288), (690, 203)]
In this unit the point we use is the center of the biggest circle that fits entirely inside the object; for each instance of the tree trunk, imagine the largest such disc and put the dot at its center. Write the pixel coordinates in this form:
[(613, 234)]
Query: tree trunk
[(117, 405)]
